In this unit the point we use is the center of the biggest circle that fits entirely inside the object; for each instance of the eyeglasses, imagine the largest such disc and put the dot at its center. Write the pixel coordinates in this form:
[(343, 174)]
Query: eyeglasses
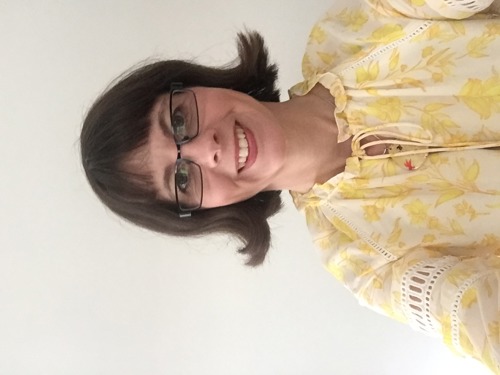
[(184, 126)]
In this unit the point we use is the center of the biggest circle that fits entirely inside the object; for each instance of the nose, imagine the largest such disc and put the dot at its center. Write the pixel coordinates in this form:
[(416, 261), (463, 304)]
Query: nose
[(204, 149)]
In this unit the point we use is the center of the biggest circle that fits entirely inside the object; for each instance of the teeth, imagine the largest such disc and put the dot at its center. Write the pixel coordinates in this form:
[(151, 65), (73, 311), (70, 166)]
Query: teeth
[(243, 147), (243, 152)]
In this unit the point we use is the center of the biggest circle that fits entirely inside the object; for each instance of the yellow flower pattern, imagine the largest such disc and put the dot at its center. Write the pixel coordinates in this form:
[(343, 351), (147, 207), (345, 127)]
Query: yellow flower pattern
[(417, 211), (401, 70), (482, 96)]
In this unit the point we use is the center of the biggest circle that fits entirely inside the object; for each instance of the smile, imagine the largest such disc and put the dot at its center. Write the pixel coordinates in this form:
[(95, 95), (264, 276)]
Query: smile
[(242, 147)]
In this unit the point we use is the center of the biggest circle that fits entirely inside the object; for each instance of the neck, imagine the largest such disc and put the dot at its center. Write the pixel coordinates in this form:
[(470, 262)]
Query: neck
[(313, 154)]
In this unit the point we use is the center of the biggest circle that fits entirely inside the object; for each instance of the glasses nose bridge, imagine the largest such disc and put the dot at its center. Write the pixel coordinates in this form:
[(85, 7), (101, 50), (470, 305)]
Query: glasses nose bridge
[(179, 155), (200, 150), (181, 146)]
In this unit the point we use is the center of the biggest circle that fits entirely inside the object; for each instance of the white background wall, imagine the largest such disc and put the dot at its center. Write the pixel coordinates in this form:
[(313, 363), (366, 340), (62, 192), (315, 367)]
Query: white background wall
[(81, 292)]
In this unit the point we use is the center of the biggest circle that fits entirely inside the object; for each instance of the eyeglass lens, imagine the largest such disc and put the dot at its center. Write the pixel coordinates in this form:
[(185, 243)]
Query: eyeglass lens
[(184, 123), (184, 115)]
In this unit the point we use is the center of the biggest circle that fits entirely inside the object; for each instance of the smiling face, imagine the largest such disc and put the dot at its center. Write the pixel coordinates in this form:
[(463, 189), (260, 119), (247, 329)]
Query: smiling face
[(240, 147)]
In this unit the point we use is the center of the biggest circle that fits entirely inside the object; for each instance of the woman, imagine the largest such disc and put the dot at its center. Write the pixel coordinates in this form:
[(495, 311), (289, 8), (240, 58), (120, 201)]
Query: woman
[(389, 146)]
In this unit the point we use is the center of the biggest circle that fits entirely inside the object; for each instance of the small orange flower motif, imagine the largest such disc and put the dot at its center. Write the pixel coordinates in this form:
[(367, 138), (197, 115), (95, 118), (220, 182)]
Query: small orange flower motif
[(409, 165)]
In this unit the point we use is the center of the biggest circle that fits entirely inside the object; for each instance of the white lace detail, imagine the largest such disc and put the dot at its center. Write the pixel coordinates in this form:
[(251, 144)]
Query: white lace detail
[(388, 47), (468, 5), (417, 284), (385, 253), (455, 321)]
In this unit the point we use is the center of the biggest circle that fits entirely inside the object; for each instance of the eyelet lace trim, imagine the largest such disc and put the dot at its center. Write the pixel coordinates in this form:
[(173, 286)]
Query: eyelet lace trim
[(455, 320), (417, 285), (389, 47), (467, 5), (364, 236)]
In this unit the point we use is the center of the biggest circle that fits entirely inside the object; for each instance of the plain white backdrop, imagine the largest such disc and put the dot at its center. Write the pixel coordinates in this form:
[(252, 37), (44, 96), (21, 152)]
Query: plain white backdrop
[(82, 292)]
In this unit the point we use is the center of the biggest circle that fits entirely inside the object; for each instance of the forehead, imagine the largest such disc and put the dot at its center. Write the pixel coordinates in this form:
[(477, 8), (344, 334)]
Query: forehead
[(139, 157), (157, 156), (143, 160), (160, 104)]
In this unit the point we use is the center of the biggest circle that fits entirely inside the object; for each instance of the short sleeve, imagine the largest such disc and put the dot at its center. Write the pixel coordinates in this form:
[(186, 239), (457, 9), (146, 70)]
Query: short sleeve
[(432, 9)]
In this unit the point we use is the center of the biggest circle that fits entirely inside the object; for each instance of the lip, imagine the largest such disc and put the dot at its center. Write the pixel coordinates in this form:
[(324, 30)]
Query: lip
[(252, 148)]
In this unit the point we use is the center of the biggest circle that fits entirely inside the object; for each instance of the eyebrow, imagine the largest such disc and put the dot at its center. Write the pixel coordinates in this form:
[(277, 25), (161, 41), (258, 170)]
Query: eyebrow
[(167, 183), (168, 172), (161, 117)]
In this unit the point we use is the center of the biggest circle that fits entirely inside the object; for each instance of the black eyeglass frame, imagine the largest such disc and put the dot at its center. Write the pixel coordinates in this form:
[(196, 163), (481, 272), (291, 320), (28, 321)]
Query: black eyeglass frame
[(177, 87)]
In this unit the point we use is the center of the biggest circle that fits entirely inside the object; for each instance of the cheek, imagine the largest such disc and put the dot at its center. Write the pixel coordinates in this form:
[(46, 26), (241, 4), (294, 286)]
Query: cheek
[(218, 192)]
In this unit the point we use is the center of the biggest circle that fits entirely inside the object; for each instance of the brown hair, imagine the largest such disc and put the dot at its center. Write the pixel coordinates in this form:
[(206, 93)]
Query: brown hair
[(118, 124)]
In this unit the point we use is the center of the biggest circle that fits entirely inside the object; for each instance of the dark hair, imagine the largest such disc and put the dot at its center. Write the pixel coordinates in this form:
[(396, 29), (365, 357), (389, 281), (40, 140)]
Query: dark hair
[(118, 124)]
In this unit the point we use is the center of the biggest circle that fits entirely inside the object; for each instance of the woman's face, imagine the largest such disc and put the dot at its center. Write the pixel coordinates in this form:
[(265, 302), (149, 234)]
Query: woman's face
[(229, 174)]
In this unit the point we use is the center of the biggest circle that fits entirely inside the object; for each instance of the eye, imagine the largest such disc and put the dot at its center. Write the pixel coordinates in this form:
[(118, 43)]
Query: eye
[(179, 123), (182, 179)]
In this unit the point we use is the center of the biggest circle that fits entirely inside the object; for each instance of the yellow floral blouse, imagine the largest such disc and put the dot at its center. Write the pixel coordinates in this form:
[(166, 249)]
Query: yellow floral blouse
[(415, 232)]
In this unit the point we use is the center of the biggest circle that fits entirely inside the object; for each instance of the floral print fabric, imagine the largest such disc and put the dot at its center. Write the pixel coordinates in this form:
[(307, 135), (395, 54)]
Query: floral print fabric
[(414, 233)]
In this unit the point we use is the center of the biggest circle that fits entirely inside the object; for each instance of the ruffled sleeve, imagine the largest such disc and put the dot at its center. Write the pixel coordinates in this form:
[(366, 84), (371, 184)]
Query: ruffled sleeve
[(432, 9)]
